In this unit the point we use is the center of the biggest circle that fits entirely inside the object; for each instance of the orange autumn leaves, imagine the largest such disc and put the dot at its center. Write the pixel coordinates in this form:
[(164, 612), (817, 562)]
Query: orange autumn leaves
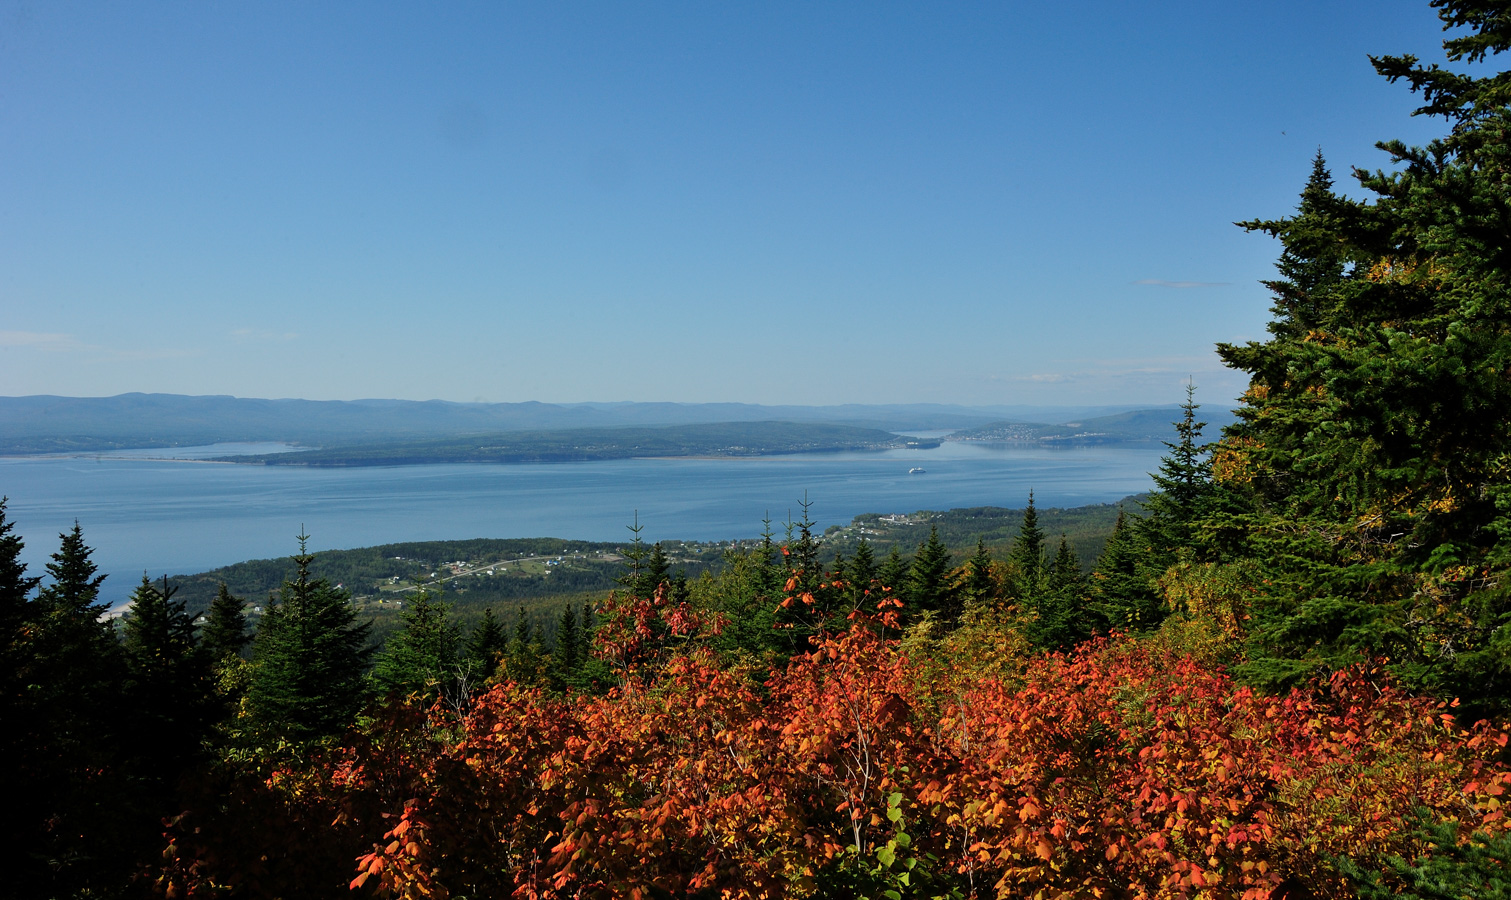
[(1119, 771)]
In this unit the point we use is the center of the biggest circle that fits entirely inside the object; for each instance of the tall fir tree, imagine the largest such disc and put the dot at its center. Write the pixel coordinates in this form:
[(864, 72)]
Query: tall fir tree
[(812, 603), (224, 635), (1183, 490), (564, 655), (1060, 616), (167, 686), (1370, 447), (1121, 588), (309, 659), (523, 656), (929, 587), (860, 575), (487, 643), (892, 574), (15, 591), (422, 657), (1026, 558), (980, 587), (72, 792)]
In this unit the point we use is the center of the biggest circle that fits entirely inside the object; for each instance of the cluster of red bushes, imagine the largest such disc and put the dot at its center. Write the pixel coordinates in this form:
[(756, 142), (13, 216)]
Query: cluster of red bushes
[(1123, 770)]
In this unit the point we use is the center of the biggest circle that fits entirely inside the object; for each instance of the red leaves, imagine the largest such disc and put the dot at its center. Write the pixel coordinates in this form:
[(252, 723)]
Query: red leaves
[(1116, 771)]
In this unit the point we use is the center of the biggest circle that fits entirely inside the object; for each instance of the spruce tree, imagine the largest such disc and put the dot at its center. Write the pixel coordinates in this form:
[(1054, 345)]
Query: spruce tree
[(72, 792), (308, 659), (523, 654), (225, 632), (167, 685), (893, 572), (1121, 589), (980, 587), (1026, 559), (422, 657), (75, 587), (1183, 490), (656, 573), (635, 557), (929, 588), (523, 634), (16, 611), (564, 658), (1065, 570), (861, 573), (817, 604), (1060, 617), (15, 592), (1371, 445), (770, 574), (487, 643)]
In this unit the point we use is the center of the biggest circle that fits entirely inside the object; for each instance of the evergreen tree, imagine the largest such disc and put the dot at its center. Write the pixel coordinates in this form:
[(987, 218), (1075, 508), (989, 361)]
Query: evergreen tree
[(635, 558), (1183, 489), (16, 611), (523, 654), (657, 572), (422, 657), (1026, 559), (980, 587), (167, 686), (158, 640), (861, 573), (893, 572), (72, 791), (225, 632), (15, 593), (1369, 453), (1313, 260), (75, 587), (1060, 616), (1452, 867), (1121, 590), (817, 604), (523, 634), (770, 575), (839, 568), (1065, 570), (308, 659), (487, 643), (564, 658), (929, 588), (802, 553)]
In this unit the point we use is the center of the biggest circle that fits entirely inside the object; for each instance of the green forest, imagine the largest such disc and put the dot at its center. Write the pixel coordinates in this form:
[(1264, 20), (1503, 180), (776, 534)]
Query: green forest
[(721, 439), (1284, 673)]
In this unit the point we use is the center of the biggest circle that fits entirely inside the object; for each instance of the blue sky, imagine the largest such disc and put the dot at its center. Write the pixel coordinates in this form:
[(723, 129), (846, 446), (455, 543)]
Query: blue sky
[(772, 203)]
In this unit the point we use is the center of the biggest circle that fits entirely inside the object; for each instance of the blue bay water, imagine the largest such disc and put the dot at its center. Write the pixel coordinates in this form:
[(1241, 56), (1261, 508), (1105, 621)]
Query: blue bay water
[(178, 516)]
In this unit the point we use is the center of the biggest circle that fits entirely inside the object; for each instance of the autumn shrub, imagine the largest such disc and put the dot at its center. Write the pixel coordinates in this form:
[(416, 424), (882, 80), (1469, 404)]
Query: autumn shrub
[(1125, 769)]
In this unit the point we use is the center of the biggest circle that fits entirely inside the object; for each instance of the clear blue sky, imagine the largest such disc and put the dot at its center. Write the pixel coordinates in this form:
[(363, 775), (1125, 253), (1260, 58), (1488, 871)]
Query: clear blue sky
[(1004, 202)]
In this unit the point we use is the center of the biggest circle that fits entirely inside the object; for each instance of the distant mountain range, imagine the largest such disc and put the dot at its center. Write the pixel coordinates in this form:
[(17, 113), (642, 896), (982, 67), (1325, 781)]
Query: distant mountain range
[(50, 424)]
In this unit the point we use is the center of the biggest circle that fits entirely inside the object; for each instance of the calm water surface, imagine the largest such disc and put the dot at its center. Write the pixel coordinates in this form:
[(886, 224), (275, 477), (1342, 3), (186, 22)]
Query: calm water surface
[(180, 516)]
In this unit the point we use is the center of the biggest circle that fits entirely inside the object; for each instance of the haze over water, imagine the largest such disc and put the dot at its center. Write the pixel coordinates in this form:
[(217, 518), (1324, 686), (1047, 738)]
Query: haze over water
[(178, 517)]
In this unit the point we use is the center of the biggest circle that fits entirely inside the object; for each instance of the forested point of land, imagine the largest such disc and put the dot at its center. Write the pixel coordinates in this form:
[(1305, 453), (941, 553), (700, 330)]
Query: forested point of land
[(47, 424), (719, 439), (1286, 674)]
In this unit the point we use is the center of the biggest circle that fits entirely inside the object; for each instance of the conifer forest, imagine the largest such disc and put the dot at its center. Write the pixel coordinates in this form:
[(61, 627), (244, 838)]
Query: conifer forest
[(1286, 675)]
